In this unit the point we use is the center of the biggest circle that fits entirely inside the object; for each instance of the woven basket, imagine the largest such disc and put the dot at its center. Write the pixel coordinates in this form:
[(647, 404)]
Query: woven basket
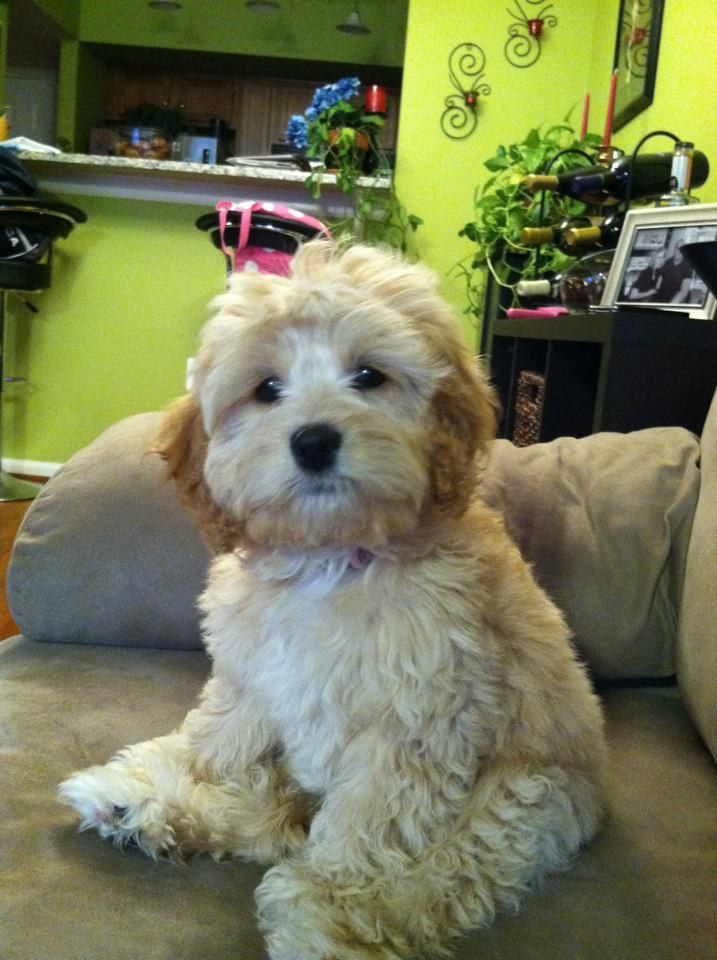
[(529, 398)]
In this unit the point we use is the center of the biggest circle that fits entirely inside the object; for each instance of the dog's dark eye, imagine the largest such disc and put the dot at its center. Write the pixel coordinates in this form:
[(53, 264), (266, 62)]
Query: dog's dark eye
[(268, 391), (367, 378)]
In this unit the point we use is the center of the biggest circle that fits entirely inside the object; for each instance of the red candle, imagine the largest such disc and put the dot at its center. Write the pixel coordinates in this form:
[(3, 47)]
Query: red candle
[(535, 27), (586, 114), (375, 100), (607, 136)]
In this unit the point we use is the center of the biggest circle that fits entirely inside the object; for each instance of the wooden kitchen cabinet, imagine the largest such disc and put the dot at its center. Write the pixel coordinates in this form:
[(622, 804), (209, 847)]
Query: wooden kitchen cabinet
[(127, 88), (201, 97), (257, 108)]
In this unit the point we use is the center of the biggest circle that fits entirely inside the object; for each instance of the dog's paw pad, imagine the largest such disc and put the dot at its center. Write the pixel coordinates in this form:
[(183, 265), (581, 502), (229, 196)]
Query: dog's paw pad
[(120, 808)]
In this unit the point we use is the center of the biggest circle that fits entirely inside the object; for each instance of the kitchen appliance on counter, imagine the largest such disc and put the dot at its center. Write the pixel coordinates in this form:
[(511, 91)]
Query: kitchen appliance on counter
[(193, 149)]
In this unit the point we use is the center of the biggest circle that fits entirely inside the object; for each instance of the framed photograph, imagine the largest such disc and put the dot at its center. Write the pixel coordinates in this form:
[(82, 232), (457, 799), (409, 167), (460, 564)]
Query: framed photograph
[(637, 46), (649, 268)]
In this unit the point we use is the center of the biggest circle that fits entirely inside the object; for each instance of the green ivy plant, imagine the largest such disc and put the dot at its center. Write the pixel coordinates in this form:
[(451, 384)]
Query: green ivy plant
[(502, 208), (339, 134)]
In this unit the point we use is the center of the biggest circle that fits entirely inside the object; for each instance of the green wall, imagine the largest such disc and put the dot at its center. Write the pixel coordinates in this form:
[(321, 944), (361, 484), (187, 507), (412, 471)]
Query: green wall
[(438, 176), (684, 88), (131, 286), (303, 29), (130, 291), (66, 13)]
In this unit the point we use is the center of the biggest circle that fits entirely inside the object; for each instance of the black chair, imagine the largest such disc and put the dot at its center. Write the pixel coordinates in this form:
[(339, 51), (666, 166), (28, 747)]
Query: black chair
[(28, 229)]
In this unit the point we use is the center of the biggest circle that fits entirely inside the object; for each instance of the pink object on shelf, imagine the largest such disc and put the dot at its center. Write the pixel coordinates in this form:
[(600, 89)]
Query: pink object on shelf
[(519, 313)]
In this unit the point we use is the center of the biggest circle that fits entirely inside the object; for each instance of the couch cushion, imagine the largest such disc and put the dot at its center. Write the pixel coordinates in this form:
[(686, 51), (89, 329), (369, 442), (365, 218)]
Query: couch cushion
[(644, 890), (697, 640), (105, 554), (605, 521)]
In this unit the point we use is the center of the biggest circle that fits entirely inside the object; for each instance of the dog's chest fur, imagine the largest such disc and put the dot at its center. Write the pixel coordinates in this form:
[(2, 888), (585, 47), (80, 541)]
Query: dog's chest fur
[(336, 651)]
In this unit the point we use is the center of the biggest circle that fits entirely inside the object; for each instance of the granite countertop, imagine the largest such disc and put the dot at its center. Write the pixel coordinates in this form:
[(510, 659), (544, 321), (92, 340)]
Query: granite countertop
[(135, 165), (175, 181)]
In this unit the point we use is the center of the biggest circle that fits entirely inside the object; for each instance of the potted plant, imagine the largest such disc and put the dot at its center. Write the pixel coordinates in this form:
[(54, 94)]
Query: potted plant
[(337, 133), (343, 138), (502, 208)]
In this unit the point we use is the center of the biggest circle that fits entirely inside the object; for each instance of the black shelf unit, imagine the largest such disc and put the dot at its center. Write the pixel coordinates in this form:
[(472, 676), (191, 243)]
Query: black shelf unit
[(607, 371)]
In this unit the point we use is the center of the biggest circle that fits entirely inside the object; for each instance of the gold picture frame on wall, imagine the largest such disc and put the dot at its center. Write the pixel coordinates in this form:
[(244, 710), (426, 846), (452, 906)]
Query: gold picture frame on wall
[(637, 46)]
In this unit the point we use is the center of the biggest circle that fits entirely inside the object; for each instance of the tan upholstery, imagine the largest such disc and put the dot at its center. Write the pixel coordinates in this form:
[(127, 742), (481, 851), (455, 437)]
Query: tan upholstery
[(697, 638)]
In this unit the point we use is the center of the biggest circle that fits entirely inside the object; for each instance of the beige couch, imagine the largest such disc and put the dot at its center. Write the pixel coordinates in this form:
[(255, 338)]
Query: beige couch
[(622, 530)]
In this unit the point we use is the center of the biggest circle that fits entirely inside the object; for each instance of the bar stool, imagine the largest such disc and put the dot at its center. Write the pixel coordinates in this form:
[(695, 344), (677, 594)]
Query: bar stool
[(258, 235), (28, 229)]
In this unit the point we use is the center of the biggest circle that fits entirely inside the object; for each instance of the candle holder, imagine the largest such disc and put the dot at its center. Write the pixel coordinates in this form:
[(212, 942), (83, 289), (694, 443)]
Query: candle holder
[(525, 34), (466, 64)]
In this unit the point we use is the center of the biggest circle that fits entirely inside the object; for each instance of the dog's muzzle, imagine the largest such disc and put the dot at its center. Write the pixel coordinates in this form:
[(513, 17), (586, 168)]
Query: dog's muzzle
[(315, 447)]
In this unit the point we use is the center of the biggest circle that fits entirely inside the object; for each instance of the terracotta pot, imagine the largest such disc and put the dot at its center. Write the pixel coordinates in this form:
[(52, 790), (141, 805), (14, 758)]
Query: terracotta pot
[(361, 146)]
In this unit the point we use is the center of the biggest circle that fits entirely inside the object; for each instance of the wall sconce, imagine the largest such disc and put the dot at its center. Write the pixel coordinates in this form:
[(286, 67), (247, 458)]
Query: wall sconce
[(353, 23), (465, 70), (525, 34)]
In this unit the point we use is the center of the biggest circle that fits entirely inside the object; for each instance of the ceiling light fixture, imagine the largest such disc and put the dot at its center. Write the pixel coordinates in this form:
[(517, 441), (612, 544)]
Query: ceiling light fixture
[(353, 23), (263, 6)]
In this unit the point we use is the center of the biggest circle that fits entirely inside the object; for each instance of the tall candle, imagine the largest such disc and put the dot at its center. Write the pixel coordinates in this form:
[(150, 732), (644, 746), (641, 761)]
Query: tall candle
[(607, 136), (586, 114)]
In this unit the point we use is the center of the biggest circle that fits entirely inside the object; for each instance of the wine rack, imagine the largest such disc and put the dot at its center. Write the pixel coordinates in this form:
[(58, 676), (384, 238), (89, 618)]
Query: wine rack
[(621, 372)]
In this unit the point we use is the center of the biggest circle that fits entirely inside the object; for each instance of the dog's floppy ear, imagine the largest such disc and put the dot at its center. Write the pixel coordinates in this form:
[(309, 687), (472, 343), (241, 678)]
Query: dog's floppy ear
[(182, 444), (464, 411)]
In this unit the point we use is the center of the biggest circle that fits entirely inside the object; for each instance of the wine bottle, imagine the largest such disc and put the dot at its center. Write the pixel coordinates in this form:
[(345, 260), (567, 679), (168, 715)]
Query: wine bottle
[(558, 183), (547, 288), (680, 176), (555, 233), (647, 174), (598, 185), (603, 234)]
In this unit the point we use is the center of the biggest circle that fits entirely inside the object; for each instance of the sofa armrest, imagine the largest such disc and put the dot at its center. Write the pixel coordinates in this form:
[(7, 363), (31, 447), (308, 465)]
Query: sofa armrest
[(697, 634), (105, 554)]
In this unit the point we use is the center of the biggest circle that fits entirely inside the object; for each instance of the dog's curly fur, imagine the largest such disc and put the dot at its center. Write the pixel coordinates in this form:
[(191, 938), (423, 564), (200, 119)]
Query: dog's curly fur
[(395, 716)]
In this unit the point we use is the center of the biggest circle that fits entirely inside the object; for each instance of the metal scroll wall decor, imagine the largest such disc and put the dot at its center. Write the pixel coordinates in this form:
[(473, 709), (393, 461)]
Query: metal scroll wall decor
[(466, 65), (525, 34)]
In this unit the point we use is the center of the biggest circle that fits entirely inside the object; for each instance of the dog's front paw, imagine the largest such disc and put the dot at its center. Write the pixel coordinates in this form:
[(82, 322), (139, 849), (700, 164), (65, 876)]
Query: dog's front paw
[(303, 918), (120, 807)]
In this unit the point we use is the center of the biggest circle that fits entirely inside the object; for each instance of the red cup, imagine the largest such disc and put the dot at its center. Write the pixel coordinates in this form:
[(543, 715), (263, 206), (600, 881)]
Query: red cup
[(375, 100)]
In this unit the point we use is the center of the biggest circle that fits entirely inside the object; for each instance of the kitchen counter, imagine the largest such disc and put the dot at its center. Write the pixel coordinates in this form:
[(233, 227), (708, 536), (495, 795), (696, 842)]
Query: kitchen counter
[(175, 181)]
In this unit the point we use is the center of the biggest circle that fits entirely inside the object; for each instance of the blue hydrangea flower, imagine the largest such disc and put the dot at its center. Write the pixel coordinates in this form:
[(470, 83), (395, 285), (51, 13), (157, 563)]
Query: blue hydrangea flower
[(297, 132), (329, 95)]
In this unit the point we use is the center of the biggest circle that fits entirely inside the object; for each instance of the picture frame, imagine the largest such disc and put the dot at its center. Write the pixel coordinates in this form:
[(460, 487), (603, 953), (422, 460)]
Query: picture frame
[(637, 46), (649, 269)]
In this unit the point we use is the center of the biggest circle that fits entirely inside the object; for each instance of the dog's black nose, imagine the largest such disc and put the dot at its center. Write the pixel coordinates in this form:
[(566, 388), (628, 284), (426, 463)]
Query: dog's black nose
[(315, 446)]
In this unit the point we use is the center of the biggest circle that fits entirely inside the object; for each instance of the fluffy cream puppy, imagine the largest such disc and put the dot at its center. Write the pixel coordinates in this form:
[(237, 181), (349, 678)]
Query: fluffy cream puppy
[(395, 716)]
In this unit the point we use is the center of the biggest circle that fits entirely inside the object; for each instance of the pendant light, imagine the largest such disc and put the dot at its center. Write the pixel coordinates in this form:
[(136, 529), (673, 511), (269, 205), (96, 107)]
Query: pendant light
[(353, 23)]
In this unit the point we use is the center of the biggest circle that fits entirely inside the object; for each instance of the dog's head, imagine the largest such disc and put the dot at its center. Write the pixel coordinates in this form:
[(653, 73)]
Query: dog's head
[(334, 407)]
